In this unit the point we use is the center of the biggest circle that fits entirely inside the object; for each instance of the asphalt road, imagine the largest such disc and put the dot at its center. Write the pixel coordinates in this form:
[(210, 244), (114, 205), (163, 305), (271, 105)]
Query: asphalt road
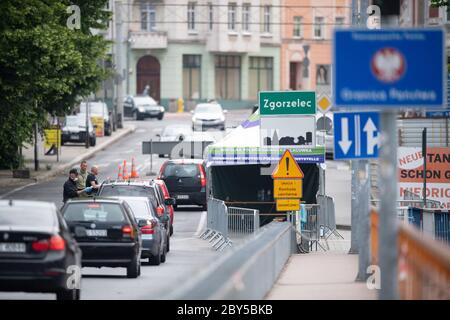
[(188, 254)]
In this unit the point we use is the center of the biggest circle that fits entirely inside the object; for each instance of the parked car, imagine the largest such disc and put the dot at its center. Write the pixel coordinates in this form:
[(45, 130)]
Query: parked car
[(99, 109), (208, 115), (107, 233), (141, 107), (185, 180), (154, 235), (165, 192), (141, 189), (74, 130), (37, 250)]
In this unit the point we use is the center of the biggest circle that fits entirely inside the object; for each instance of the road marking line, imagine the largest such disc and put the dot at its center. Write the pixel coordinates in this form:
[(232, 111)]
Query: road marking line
[(201, 223), (17, 189)]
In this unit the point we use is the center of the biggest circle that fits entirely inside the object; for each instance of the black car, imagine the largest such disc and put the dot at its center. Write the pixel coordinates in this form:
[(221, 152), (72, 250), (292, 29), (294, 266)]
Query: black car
[(141, 107), (154, 235), (37, 251), (141, 189), (74, 130), (186, 181), (107, 233)]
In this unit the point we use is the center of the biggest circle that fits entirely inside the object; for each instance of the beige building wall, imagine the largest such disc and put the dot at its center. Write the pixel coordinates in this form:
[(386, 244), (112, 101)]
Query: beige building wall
[(292, 47)]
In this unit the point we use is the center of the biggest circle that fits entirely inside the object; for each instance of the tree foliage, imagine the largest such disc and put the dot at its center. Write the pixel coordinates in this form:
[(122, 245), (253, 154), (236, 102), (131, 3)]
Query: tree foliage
[(44, 65)]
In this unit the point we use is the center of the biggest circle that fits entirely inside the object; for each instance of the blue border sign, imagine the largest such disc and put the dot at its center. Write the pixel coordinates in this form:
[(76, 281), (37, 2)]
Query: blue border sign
[(390, 68)]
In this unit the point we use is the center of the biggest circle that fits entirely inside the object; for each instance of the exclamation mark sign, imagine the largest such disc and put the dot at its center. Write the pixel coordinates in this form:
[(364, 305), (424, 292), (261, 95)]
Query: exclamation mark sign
[(287, 166)]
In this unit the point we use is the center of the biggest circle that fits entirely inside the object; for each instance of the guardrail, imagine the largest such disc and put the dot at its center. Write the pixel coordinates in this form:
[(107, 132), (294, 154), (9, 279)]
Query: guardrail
[(246, 272), (423, 263)]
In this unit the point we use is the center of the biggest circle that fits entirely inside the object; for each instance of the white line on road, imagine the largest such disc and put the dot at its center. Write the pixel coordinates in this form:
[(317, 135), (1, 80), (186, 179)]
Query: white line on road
[(17, 189), (201, 224)]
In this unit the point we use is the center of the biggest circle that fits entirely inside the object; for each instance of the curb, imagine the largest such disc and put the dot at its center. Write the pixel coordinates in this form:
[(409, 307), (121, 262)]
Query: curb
[(60, 169)]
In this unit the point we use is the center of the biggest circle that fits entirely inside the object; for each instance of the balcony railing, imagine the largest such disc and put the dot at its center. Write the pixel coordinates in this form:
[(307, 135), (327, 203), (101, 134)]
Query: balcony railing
[(148, 40)]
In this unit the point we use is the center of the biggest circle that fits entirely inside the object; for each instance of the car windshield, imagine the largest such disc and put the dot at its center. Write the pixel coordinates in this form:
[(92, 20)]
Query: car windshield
[(140, 208), (94, 107), (208, 108), (127, 191), (74, 122), (17, 216), (94, 211), (181, 170), (145, 101)]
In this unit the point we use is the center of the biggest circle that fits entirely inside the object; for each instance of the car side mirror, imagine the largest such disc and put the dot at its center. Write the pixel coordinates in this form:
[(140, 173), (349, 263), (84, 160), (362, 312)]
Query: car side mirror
[(170, 201), (158, 135)]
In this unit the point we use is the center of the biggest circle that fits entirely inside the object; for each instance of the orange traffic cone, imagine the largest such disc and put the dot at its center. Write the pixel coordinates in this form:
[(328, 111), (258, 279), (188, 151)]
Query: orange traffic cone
[(125, 174), (134, 173), (119, 175)]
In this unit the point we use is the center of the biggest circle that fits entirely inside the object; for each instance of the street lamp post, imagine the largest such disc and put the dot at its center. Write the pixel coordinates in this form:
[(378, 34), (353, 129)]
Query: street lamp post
[(87, 124)]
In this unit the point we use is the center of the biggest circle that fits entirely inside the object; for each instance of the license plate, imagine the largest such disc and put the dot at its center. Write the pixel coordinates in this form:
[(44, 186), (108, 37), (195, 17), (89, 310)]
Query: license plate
[(96, 233), (12, 247), (74, 137), (182, 196)]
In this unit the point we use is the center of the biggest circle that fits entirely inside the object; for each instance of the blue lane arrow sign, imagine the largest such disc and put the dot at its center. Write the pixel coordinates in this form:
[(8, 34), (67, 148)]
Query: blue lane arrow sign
[(356, 135)]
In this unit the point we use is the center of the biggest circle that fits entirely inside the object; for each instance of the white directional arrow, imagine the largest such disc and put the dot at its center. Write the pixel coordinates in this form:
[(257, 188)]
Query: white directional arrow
[(372, 140), (344, 143)]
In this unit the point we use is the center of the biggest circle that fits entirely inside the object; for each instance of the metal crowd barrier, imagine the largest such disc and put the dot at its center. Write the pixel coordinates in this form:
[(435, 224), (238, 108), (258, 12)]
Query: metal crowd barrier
[(243, 220), (327, 218), (223, 220), (434, 222)]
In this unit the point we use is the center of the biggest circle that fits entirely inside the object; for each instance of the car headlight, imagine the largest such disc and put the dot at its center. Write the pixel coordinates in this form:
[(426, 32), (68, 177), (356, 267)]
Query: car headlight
[(222, 118), (141, 109), (194, 119), (161, 109)]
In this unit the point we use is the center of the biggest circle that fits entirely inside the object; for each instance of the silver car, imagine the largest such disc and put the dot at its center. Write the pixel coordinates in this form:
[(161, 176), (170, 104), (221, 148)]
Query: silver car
[(208, 115)]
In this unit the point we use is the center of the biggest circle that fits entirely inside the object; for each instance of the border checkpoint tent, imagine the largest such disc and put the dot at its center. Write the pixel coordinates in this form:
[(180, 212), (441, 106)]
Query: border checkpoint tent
[(239, 169)]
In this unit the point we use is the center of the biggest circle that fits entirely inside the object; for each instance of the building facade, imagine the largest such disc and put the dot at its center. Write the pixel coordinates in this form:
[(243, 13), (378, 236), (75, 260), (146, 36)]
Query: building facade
[(201, 50), (306, 42)]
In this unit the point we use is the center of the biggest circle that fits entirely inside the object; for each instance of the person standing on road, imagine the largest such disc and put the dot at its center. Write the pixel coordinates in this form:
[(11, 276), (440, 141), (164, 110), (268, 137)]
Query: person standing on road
[(70, 186), (81, 182), (91, 180)]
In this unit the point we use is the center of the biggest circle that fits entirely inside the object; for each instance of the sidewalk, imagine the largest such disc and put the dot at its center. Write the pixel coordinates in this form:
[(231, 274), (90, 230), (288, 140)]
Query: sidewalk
[(320, 276), (70, 156)]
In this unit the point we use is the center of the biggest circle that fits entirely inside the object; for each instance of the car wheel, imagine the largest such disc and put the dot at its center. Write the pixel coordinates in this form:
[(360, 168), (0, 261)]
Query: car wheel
[(155, 261), (171, 230), (204, 207), (136, 116), (175, 207), (92, 141), (161, 155), (68, 295), (62, 143), (133, 268), (161, 116), (163, 256), (168, 244)]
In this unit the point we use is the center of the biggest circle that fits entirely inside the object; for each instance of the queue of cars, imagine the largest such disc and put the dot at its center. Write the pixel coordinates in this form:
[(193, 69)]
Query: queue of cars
[(42, 249)]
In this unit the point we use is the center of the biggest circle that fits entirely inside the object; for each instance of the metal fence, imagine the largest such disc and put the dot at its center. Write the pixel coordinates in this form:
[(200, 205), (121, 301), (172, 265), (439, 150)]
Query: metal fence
[(434, 222), (413, 200), (223, 221), (410, 132), (242, 220), (315, 223)]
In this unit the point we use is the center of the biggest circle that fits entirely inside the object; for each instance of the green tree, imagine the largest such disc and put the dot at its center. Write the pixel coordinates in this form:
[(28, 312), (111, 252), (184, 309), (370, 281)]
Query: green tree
[(44, 65)]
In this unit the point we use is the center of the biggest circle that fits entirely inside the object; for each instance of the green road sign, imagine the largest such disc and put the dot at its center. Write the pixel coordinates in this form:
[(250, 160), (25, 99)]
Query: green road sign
[(287, 102)]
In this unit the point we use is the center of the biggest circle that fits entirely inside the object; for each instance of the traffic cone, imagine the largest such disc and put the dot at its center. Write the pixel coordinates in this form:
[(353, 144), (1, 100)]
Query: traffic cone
[(119, 176), (134, 173), (125, 173)]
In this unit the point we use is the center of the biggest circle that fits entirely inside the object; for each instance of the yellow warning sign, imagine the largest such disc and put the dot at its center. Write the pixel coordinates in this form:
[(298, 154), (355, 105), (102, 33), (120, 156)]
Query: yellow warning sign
[(287, 189), (288, 204), (52, 137), (99, 124), (288, 168)]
